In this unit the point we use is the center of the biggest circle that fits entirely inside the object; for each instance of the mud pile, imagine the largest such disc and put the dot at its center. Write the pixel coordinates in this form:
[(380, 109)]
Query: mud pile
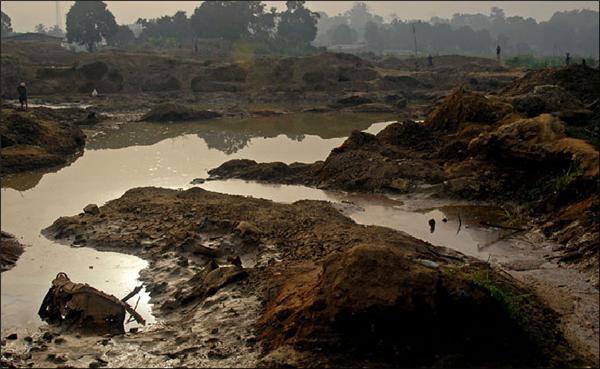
[(310, 81), (171, 112), (332, 292), (579, 80), (10, 250), (476, 147), (36, 139)]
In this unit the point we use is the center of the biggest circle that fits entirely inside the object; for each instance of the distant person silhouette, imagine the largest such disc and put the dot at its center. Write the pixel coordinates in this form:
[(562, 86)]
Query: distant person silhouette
[(583, 62), (22, 90), (430, 60), (498, 51), (568, 59)]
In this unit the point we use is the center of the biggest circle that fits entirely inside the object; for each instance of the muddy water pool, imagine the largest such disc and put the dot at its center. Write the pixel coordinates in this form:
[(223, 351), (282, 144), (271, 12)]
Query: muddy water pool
[(171, 155)]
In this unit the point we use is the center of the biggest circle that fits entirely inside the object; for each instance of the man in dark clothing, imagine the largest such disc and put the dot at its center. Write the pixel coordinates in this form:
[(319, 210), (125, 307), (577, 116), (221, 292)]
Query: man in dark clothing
[(568, 59), (22, 95), (430, 60), (498, 50)]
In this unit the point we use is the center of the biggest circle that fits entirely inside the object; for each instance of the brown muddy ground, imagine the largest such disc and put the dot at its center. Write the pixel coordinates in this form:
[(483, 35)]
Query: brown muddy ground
[(477, 147), (313, 81), (38, 138), (10, 250), (314, 288)]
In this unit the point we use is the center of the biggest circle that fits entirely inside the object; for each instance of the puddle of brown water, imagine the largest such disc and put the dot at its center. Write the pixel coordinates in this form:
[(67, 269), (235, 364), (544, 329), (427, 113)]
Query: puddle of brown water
[(166, 155)]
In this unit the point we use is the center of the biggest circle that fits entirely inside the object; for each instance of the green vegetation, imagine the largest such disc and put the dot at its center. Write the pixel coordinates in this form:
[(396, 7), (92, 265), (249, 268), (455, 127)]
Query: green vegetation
[(563, 181), (512, 217), (513, 303), (534, 62)]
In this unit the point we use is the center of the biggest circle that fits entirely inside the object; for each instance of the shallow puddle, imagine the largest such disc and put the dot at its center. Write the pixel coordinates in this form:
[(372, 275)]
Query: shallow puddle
[(138, 154), (171, 155)]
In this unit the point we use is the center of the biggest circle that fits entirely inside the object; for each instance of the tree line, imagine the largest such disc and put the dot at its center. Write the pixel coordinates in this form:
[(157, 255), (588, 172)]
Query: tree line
[(297, 28), (573, 31), (90, 23)]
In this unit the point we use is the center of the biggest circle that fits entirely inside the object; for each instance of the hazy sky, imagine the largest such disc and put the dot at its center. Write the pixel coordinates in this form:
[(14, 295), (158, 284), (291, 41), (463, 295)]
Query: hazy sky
[(26, 14)]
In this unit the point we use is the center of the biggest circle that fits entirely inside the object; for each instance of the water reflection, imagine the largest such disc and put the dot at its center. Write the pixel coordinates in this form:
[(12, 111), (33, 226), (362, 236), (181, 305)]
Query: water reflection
[(140, 154), (232, 135)]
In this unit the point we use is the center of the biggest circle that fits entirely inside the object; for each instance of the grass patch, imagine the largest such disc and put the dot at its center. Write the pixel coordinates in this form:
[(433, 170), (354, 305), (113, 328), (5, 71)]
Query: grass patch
[(563, 181), (511, 302), (512, 217)]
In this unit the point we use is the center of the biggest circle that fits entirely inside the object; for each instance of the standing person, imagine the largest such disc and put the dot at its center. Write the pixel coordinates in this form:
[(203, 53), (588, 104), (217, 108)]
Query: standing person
[(583, 61), (568, 59), (498, 50), (430, 60), (22, 95)]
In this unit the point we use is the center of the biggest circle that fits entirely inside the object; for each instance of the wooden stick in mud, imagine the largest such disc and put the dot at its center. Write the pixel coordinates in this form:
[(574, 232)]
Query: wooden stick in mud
[(501, 226), (132, 293), (459, 223), (133, 313)]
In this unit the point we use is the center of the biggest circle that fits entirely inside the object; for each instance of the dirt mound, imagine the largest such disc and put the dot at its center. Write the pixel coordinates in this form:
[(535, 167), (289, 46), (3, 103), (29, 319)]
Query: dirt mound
[(352, 100), (295, 173), (464, 106), (541, 141), (409, 134), (444, 62), (359, 300), (372, 108), (546, 99), (94, 71), (171, 112), (339, 292), (219, 78), (581, 81), (10, 250), (162, 83), (33, 139)]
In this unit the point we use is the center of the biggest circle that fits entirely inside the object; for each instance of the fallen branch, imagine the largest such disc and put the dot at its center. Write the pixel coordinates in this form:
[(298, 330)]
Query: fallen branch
[(459, 224), (134, 314), (132, 293)]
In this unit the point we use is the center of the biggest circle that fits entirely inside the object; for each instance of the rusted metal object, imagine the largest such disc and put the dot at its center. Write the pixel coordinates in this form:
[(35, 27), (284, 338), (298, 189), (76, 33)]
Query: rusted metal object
[(80, 306)]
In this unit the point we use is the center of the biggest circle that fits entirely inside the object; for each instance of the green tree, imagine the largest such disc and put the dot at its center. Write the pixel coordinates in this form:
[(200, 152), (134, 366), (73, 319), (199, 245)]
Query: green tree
[(88, 22), (297, 25), (372, 35), (342, 34), (39, 28), (56, 31), (231, 20), (166, 31), (123, 37), (6, 25)]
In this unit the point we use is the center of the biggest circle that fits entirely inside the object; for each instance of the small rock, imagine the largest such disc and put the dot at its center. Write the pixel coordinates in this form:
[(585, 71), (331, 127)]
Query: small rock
[(48, 336), (198, 181), (59, 340), (428, 263), (214, 331), (12, 336), (91, 267), (28, 339), (61, 358), (133, 330), (91, 209), (444, 219)]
